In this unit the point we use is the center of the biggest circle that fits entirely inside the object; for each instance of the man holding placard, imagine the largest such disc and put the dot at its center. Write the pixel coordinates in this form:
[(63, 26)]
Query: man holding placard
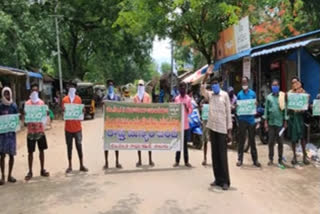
[(275, 120), (298, 101), (111, 96), (36, 114), (246, 109), (10, 123), (142, 97), (73, 114), (205, 135)]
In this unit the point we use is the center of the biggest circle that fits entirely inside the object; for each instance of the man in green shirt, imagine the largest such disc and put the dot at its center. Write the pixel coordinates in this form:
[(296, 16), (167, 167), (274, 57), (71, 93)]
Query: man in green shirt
[(275, 119)]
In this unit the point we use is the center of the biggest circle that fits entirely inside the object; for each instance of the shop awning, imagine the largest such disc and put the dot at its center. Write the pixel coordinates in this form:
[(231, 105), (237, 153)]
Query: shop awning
[(234, 57), (34, 75), (286, 47)]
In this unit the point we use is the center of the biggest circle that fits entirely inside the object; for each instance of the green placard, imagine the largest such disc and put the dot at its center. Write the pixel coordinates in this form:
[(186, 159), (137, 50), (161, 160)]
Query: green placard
[(205, 112), (9, 123), (316, 108), (298, 101), (35, 113), (136, 126), (246, 107), (73, 112)]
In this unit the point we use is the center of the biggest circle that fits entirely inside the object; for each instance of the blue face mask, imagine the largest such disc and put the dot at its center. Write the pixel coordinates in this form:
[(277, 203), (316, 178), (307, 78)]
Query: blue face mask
[(110, 90), (275, 89), (216, 88)]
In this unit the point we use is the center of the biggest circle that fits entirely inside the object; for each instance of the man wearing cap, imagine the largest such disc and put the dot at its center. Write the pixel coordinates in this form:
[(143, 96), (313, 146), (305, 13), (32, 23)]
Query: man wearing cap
[(142, 97), (111, 96), (73, 129), (126, 95)]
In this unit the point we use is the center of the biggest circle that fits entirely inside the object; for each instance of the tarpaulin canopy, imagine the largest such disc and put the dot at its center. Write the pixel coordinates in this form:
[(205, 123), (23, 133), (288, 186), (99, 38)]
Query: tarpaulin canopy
[(34, 75), (197, 76), (7, 71)]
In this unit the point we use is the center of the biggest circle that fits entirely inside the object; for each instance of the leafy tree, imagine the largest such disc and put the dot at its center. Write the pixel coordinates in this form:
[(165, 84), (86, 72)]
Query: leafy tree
[(279, 20), (165, 67), (197, 21)]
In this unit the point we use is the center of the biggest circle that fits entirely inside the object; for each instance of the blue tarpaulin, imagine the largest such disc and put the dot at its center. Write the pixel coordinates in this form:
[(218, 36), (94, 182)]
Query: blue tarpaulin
[(34, 75)]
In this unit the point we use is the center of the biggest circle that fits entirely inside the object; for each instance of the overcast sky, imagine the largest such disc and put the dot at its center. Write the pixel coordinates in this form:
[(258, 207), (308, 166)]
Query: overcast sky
[(161, 51)]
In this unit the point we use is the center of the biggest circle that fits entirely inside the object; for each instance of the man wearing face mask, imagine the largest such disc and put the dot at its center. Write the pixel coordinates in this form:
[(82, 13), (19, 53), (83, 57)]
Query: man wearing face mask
[(35, 136), (220, 126), (275, 119), (112, 97), (8, 145), (142, 97), (73, 129), (186, 101), (247, 124)]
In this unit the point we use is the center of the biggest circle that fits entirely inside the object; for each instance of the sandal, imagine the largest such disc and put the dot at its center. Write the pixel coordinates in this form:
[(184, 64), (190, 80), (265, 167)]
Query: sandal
[(44, 173), (151, 164), (12, 179), (69, 170), (306, 162), (28, 176), (204, 163), (294, 162), (83, 169)]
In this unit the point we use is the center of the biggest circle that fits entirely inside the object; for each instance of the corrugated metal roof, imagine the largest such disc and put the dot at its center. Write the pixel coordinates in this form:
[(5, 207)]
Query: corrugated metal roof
[(248, 52), (285, 47)]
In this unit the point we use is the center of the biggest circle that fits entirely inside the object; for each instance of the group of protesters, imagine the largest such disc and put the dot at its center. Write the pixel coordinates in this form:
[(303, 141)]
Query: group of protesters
[(218, 125)]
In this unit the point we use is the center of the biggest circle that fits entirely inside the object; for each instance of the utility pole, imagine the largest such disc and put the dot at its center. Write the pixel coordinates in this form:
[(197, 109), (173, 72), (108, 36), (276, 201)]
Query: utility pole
[(171, 79), (58, 49)]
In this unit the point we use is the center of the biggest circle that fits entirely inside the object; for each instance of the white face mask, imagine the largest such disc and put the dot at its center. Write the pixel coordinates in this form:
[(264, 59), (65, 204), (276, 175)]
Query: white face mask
[(140, 92), (245, 87), (34, 97), (72, 94)]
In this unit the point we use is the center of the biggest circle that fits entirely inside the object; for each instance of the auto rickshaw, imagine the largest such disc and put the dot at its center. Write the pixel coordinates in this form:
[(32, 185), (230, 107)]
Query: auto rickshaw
[(86, 92)]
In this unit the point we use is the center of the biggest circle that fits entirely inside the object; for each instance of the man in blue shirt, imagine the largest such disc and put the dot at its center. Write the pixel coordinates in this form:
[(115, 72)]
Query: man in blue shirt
[(111, 96), (247, 125)]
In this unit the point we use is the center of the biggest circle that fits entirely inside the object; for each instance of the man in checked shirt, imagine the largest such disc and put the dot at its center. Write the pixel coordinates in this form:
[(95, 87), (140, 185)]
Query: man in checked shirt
[(219, 125)]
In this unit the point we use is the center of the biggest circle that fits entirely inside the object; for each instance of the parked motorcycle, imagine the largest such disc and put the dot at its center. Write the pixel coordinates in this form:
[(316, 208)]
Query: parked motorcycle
[(195, 127)]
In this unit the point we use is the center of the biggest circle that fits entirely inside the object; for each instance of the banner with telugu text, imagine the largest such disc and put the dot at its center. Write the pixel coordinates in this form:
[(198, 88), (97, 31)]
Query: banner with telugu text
[(132, 126)]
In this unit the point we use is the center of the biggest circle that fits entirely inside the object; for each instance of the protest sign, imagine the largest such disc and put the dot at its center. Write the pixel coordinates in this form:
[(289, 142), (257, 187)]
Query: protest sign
[(35, 113), (132, 126), (205, 112), (316, 108), (73, 112), (298, 101), (246, 107), (9, 123)]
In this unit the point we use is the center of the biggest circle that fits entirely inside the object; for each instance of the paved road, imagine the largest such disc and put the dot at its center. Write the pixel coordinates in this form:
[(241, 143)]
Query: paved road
[(159, 190)]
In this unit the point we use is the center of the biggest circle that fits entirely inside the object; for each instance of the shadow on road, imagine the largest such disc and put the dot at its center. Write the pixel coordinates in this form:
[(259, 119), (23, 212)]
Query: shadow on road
[(143, 170)]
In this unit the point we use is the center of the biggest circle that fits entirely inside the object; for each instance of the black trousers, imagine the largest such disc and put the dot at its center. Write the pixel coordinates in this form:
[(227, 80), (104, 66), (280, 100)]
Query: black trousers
[(78, 138), (185, 149), (244, 128), (219, 155), (273, 138)]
